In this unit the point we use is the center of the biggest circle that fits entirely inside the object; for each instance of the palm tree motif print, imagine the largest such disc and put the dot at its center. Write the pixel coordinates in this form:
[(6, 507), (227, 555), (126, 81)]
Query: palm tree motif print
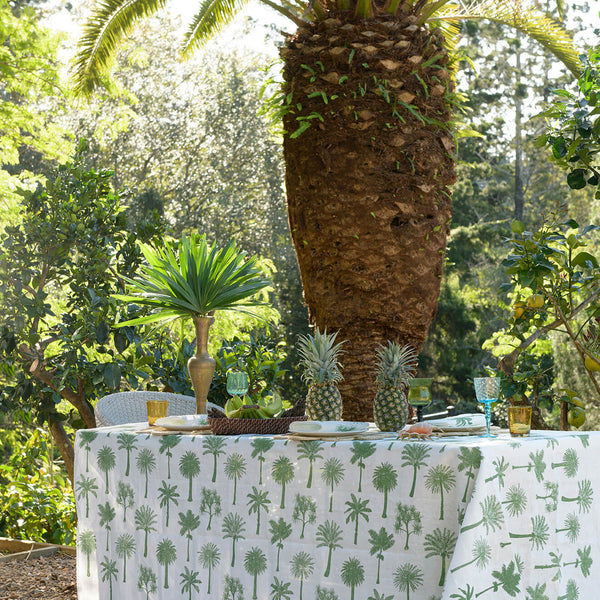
[(377, 596), (360, 451), (87, 542), (86, 437), (124, 497), (188, 522), (310, 450), (106, 513), (571, 592), (537, 593), (281, 590), (469, 461), (408, 520), (302, 566), (167, 443), (539, 533), (233, 527), (260, 445), (166, 554), (146, 581), (326, 594), (106, 462), (210, 503), (481, 552), (440, 543), (414, 455), (467, 593), (86, 486), (570, 463), (109, 572), (353, 574), (189, 467), (282, 472), (210, 557), (516, 500), (280, 530), (551, 496), (583, 561), (464, 421), (258, 500), (492, 516), (501, 466), (213, 444), (235, 467), (357, 508), (189, 581), (440, 479), (507, 579), (126, 441), (584, 438), (305, 511), (407, 578), (145, 463), (233, 589), (571, 527), (145, 520), (380, 542), (555, 563), (585, 496), (537, 465), (385, 479), (332, 473), (125, 547), (329, 535), (167, 494), (255, 563)]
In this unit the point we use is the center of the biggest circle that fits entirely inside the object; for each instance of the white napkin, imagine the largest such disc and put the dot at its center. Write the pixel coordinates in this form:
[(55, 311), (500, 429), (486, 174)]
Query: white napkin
[(466, 422), (340, 427)]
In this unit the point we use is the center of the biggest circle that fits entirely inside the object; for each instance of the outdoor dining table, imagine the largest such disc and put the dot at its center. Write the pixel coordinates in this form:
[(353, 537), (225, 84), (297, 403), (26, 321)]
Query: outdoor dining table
[(266, 517)]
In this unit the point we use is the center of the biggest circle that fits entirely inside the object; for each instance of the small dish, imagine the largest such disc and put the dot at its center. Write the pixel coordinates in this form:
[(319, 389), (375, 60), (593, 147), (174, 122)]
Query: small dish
[(183, 422), (328, 428)]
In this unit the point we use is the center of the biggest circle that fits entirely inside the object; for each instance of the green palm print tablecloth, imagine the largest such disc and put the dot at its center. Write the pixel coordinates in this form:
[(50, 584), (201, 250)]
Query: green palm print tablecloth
[(233, 518)]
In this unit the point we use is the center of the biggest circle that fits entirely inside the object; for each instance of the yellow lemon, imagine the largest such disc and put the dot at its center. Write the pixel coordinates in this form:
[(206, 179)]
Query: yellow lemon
[(535, 301), (576, 401), (518, 310), (592, 364), (576, 417)]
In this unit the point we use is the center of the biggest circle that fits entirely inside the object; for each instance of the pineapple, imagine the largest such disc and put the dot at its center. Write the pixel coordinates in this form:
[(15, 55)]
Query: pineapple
[(395, 365), (320, 356)]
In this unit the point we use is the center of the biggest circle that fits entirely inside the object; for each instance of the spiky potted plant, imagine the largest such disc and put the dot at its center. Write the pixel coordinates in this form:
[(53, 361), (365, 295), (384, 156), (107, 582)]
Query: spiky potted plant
[(191, 279)]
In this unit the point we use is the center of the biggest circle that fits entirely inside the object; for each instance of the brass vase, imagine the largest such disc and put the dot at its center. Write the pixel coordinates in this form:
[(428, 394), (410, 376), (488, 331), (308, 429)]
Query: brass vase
[(201, 367)]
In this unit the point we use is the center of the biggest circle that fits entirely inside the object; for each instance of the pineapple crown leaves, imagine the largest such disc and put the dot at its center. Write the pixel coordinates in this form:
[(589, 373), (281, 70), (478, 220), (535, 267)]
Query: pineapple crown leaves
[(320, 355), (395, 364)]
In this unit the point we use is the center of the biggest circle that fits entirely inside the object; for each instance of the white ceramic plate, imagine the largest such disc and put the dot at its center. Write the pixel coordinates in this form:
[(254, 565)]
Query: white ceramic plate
[(183, 422), (327, 428)]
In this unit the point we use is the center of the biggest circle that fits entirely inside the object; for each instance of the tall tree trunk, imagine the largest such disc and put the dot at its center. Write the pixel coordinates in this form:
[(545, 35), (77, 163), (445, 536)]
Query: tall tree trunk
[(367, 183), (519, 193)]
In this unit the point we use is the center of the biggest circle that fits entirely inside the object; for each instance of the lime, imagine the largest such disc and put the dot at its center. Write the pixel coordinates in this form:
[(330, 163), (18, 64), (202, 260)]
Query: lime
[(576, 417)]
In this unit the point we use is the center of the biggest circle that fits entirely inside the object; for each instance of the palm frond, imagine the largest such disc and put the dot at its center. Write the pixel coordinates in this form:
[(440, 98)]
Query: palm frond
[(110, 22)]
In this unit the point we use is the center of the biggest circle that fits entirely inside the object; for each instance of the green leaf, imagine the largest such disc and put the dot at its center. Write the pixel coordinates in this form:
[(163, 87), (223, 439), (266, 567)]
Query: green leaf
[(112, 375), (576, 179), (585, 259), (102, 332)]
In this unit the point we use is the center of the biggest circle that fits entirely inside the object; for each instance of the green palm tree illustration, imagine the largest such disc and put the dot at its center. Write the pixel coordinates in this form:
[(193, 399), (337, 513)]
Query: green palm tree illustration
[(167, 494), (508, 579), (210, 557), (414, 455), (329, 535), (124, 497), (555, 563), (188, 522), (233, 527), (210, 503), (109, 572), (255, 563), (166, 553), (260, 445), (357, 508), (585, 496), (440, 479), (281, 590), (305, 511), (190, 580), (584, 438), (106, 462), (86, 486), (516, 500), (571, 591), (106, 513), (570, 463), (86, 437), (326, 594), (167, 443), (539, 533), (282, 472), (491, 515), (360, 451), (145, 519), (233, 588), (258, 500), (408, 520), (467, 593), (235, 467), (310, 450), (385, 479), (213, 444), (145, 463), (353, 574), (469, 460), (189, 467), (501, 465), (302, 566), (537, 464), (380, 542), (440, 543), (125, 547), (407, 578), (332, 473), (551, 497), (571, 527), (87, 543), (583, 561), (126, 441), (379, 596), (280, 530), (481, 551), (537, 593), (146, 581)]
